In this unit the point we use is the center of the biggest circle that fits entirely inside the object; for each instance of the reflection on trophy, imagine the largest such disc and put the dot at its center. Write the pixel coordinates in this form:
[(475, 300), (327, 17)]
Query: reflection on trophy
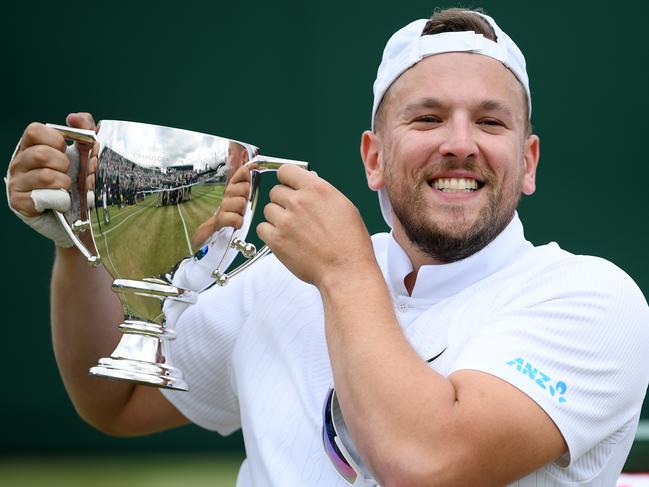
[(156, 189)]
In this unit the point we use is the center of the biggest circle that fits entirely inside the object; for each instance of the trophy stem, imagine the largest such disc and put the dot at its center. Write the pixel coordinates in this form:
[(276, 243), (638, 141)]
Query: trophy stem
[(142, 357)]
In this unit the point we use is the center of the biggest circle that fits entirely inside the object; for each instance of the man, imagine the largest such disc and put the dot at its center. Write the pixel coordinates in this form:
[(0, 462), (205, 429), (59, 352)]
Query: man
[(461, 354)]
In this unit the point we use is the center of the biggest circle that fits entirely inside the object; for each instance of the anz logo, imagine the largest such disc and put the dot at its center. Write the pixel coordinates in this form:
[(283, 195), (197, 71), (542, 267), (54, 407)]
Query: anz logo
[(556, 390)]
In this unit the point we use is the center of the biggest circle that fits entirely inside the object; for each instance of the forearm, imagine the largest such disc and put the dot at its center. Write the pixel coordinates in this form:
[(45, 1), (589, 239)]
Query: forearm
[(85, 314), (396, 407)]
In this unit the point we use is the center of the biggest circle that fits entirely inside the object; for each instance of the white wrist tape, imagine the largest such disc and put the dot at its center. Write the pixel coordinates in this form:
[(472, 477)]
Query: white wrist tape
[(52, 199)]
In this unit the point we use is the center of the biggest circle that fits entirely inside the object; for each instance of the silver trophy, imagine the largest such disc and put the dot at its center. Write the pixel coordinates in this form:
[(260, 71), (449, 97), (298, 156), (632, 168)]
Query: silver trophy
[(146, 219)]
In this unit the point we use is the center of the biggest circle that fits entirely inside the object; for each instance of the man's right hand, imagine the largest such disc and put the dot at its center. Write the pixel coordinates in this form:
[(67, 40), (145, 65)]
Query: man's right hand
[(40, 162)]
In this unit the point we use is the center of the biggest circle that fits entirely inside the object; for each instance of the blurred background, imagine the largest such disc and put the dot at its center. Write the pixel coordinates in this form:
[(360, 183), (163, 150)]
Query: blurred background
[(293, 78)]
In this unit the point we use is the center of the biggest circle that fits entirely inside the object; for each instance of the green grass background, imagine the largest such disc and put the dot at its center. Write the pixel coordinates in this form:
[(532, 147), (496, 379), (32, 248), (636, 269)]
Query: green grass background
[(124, 471)]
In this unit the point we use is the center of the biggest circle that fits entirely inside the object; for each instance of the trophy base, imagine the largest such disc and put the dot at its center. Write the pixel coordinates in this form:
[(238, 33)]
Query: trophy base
[(145, 373)]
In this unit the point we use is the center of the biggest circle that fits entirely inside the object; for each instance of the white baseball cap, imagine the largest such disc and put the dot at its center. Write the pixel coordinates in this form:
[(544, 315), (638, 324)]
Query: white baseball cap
[(407, 47)]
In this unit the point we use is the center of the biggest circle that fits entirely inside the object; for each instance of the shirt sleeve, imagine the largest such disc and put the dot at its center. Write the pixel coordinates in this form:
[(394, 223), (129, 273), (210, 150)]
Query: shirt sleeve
[(575, 340)]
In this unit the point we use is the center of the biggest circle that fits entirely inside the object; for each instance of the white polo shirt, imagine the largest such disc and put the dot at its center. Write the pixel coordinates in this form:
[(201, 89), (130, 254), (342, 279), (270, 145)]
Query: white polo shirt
[(569, 331)]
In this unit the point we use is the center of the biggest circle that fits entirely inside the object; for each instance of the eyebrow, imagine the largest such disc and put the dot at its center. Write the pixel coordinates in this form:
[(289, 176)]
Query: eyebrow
[(422, 103), (495, 105), (435, 103)]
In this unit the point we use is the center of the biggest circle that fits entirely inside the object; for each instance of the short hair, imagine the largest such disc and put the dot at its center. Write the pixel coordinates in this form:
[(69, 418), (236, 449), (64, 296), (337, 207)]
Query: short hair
[(458, 20), (455, 20)]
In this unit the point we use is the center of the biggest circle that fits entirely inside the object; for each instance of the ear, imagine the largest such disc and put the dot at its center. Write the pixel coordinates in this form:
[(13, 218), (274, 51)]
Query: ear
[(372, 160), (531, 161)]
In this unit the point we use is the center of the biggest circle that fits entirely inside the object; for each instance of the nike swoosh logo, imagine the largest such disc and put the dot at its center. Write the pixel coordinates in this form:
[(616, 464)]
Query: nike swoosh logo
[(436, 356)]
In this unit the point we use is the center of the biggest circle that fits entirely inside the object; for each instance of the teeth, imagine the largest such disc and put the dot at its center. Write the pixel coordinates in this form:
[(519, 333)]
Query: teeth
[(456, 185)]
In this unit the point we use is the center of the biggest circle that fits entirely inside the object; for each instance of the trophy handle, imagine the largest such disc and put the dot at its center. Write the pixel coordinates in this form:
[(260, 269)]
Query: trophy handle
[(78, 192), (263, 164)]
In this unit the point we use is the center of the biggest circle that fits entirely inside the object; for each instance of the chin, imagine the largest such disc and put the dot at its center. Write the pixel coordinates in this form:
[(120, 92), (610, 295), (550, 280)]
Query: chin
[(455, 221)]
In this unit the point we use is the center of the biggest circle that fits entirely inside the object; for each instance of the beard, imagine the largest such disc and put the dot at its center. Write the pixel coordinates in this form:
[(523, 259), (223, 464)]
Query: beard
[(459, 239)]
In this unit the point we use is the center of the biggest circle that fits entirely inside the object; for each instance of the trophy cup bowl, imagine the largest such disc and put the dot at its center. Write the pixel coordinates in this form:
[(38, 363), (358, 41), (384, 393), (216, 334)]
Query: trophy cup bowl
[(153, 187)]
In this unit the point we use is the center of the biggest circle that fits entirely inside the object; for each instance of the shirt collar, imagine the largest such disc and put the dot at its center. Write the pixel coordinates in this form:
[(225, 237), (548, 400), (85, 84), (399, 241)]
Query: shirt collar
[(443, 280)]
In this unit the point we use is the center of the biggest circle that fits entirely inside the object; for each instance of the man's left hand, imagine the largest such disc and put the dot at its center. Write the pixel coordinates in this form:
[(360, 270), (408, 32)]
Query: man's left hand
[(313, 228)]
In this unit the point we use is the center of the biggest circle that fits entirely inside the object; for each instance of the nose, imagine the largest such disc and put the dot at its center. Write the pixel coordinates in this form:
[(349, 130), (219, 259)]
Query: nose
[(459, 141)]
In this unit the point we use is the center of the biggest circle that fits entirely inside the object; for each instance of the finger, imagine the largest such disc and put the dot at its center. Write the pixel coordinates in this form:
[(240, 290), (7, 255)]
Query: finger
[(92, 165), (90, 182), (38, 157), (243, 173), (266, 232), (51, 199), (81, 120), (92, 168), (34, 203), (230, 219), (274, 214), (241, 188), (38, 134), (93, 158), (21, 186), (235, 205), (22, 203), (294, 176), (44, 178), (281, 195)]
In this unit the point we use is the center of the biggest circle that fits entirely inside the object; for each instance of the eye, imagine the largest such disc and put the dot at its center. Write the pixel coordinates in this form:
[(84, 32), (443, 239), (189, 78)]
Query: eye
[(492, 125), (491, 122), (427, 119)]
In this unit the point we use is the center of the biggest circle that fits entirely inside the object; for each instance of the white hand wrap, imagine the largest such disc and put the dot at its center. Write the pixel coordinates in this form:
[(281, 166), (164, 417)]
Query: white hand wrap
[(52, 199)]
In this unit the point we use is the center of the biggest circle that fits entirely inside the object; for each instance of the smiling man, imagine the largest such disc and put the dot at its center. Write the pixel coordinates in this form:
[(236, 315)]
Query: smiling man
[(536, 377), (461, 354), (459, 120)]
